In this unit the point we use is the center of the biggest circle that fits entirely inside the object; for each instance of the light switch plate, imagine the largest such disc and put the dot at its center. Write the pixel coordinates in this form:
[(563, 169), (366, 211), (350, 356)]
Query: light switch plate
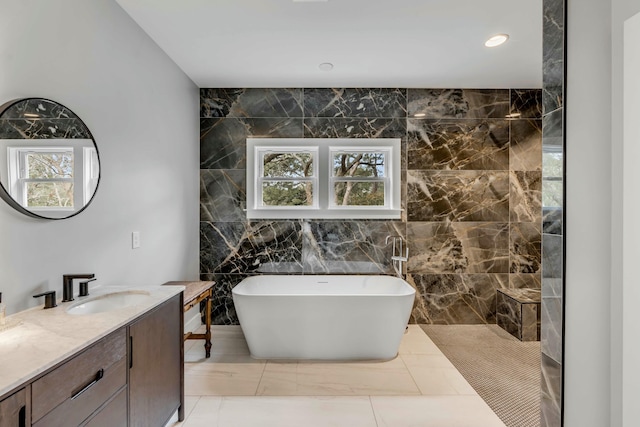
[(135, 239)]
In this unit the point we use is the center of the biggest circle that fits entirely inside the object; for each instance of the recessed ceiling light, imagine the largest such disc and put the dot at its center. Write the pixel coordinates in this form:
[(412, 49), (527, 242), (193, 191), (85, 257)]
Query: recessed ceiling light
[(31, 115), (419, 114), (326, 66), (513, 115), (496, 40)]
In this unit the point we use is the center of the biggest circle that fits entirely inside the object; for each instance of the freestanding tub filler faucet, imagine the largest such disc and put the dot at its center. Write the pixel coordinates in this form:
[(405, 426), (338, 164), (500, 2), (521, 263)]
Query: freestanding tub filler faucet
[(398, 258)]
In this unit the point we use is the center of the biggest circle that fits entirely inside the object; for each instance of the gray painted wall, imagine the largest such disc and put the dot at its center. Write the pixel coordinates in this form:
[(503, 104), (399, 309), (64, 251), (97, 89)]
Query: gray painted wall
[(621, 414), (587, 361), (142, 110)]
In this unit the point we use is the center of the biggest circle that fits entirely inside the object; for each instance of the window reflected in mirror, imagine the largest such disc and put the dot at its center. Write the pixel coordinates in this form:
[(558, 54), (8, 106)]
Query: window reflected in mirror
[(49, 162)]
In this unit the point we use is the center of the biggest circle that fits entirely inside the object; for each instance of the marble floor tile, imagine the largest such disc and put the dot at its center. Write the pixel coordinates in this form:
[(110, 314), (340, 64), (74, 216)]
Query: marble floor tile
[(285, 412), (222, 375), (205, 413), (415, 341), (189, 403), (225, 340), (436, 375), (337, 379), (418, 388), (433, 411)]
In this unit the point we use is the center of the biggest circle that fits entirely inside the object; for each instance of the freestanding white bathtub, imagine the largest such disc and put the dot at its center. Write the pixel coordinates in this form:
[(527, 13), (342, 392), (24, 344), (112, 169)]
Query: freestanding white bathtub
[(323, 317)]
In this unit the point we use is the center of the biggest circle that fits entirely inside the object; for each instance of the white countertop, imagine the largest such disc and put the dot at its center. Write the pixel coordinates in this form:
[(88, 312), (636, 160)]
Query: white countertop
[(44, 338)]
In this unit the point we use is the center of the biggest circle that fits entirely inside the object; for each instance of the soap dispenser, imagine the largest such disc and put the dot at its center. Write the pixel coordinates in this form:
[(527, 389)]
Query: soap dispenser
[(2, 311)]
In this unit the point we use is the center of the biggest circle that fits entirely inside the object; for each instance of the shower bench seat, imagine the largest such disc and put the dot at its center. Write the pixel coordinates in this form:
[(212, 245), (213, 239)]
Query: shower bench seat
[(518, 312), (195, 293)]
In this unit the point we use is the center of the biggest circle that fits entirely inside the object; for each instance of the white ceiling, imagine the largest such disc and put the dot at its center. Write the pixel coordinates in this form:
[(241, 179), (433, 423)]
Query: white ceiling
[(372, 43)]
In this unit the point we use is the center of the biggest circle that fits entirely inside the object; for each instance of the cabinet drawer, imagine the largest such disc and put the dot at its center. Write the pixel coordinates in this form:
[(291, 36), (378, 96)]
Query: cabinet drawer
[(57, 398), (114, 414)]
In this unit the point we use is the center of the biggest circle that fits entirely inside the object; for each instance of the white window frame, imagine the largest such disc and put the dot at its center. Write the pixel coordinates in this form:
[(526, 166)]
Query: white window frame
[(324, 206), (90, 173), (261, 151), (17, 169)]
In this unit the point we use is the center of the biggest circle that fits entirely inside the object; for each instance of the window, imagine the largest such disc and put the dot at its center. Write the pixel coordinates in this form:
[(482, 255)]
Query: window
[(42, 178), (56, 176), (323, 178)]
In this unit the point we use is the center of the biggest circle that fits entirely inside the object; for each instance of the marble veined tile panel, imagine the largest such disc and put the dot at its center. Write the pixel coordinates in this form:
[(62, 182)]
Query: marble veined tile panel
[(525, 247), (456, 298), (223, 140), (552, 129), (478, 144), (552, 55), (447, 247), (240, 247), (525, 152), (458, 195), (354, 127), (38, 106), (222, 195), (358, 102), (551, 256), (43, 129), (518, 312), (350, 242), (551, 330), (552, 220), (223, 312), (358, 127), (251, 102), (458, 103), (551, 396), (525, 280), (525, 198), (527, 103)]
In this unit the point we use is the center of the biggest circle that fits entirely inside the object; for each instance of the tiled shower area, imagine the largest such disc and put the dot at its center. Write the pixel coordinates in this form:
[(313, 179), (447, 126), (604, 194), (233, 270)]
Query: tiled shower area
[(471, 193)]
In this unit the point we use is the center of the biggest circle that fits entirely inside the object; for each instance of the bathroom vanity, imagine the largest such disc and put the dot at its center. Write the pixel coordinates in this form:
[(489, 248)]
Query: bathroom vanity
[(118, 367)]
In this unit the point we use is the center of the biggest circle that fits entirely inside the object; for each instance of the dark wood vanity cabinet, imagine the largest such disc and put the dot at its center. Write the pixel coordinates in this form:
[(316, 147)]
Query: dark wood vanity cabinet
[(156, 365), (77, 389), (132, 377), (13, 410)]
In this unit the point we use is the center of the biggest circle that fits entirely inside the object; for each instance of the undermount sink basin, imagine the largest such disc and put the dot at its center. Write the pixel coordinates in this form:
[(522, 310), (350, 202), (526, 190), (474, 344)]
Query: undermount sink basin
[(108, 302)]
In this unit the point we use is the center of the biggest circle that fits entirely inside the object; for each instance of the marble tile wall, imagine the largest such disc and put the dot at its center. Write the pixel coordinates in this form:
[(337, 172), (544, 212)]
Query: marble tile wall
[(59, 123), (471, 179), (552, 225), (518, 312)]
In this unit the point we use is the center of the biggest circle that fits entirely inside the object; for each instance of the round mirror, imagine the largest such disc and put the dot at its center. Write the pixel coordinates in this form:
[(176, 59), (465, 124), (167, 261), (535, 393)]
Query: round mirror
[(49, 163)]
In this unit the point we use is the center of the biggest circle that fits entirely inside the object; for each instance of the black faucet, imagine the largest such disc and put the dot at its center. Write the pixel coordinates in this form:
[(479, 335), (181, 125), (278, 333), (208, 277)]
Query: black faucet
[(84, 288), (67, 284), (49, 299)]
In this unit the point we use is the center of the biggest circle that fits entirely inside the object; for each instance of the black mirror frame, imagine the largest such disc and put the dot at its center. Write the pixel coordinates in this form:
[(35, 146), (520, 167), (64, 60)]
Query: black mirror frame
[(4, 194)]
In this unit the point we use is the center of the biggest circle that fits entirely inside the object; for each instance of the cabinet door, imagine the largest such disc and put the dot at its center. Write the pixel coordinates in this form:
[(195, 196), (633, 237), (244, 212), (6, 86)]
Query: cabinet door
[(13, 410), (156, 365)]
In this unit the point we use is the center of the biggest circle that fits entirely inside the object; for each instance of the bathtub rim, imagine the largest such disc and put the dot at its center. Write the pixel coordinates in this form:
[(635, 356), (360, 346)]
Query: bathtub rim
[(248, 281)]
